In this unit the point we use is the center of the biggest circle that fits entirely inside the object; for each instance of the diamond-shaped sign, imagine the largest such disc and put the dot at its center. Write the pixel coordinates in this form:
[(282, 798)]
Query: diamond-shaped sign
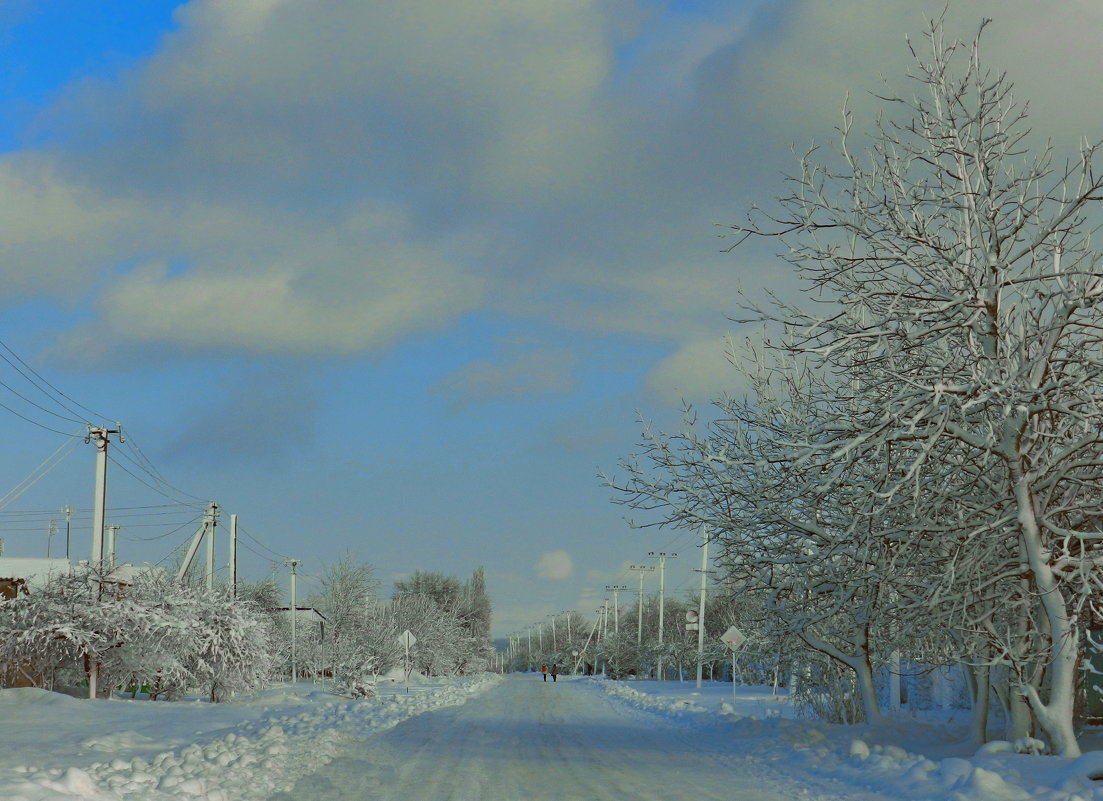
[(733, 638)]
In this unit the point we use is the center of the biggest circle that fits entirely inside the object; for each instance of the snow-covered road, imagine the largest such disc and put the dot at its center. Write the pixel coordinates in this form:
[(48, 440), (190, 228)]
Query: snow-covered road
[(527, 740)]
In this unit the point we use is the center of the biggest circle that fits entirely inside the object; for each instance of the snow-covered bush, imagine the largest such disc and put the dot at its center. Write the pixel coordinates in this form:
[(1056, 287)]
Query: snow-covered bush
[(156, 632)]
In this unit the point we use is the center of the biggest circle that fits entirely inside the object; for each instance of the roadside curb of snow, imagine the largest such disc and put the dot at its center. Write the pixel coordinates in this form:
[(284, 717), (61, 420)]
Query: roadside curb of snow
[(680, 708), (251, 763)]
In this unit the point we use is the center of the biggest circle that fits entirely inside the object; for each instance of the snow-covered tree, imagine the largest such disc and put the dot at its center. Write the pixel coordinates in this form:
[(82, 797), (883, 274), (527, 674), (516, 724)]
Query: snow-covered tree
[(962, 290), (940, 468)]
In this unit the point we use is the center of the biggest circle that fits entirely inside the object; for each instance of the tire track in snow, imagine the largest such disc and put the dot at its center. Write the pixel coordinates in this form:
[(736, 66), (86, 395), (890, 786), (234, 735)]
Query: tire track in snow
[(527, 740)]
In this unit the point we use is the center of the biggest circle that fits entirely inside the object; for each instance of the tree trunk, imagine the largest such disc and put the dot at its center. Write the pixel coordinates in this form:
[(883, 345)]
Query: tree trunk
[(1055, 717), (980, 679)]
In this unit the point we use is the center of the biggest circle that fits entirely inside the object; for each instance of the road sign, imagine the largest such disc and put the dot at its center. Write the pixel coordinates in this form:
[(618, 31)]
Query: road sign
[(691, 616), (406, 639), (733, 638)]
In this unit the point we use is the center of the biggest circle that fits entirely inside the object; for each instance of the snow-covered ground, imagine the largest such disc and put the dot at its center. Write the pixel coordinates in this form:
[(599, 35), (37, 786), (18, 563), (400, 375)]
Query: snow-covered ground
[(60, 748), (514, 739), (905, 758)]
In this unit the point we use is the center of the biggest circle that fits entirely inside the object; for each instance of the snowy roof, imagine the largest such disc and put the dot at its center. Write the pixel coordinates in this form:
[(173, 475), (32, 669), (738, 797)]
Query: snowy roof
[(35, 572), (302, 611)]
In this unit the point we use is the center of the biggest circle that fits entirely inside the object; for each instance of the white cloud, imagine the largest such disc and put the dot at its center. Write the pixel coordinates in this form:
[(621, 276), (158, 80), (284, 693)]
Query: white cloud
[(697, 371), (526, 373), (555, 565), (333, 178)]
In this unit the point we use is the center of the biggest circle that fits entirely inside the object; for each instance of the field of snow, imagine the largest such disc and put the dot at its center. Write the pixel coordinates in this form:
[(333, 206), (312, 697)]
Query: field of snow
[(516, 738)]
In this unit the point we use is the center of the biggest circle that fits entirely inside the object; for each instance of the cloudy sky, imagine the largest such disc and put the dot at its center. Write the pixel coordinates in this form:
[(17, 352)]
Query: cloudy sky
[(395, 279)]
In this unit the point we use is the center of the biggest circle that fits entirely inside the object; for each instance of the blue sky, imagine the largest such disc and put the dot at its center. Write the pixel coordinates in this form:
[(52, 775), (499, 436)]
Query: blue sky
[(396, 279)]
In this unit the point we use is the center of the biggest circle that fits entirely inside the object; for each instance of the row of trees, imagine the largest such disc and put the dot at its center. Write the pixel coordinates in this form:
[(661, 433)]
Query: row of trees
[(171, 637), (918, 464), (449, 618)]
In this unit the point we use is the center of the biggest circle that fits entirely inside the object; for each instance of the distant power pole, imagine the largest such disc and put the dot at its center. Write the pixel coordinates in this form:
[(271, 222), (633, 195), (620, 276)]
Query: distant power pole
[(208, 571), (294, 614), (99, 436), (68, 527), (50, 536), (701, 611), (233, 556), (111, 546), (641, 569), (662, 556), (615, 589)]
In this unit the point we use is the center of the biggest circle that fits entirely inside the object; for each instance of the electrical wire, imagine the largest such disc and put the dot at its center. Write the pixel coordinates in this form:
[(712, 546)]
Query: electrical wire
[(242, 530), (48, 464), (36, 423), (40, 407), (142, 481), (47, 383), (141, 461)]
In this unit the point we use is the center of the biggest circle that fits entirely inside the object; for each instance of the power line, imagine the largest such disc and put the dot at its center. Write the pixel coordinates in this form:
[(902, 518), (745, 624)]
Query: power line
[(47, 383), (242, 530), (142, 462), (142, 481), (32, 478), (179, 528), (36, 423)]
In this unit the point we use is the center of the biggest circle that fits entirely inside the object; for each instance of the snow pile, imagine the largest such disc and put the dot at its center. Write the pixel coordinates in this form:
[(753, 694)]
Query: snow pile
[(999, 771), (657, 703), (256, 759)]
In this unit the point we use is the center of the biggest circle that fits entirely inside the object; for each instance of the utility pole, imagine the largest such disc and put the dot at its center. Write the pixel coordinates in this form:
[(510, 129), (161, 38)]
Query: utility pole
[(552, 616), (568, 614), (641, 569), (50, 536), (208, 572), (662, 556), (111, 547), (615, 589), (233, 556), (294, 614), (206, 529), (68, 527), (99, 436), (701, 611)]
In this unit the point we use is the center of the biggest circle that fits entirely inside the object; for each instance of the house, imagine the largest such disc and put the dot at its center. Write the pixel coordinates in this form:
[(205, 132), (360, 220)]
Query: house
[(23, 574)]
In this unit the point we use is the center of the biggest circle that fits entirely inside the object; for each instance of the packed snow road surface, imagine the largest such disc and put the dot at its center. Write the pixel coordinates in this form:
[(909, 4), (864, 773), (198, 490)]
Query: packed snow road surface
[(529, 740)]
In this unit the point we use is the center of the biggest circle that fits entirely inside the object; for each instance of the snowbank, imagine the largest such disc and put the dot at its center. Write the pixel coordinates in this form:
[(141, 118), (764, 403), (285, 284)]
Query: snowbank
[(903, 759), (245, 751)]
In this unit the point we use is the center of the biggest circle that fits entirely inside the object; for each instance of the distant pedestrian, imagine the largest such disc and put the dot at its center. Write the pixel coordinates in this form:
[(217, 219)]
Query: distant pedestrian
[(544, 670), (555, 671)]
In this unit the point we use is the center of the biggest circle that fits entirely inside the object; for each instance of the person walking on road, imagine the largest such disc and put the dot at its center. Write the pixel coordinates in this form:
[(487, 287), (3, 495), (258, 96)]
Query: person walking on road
[(554, 671), (544, 670)]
